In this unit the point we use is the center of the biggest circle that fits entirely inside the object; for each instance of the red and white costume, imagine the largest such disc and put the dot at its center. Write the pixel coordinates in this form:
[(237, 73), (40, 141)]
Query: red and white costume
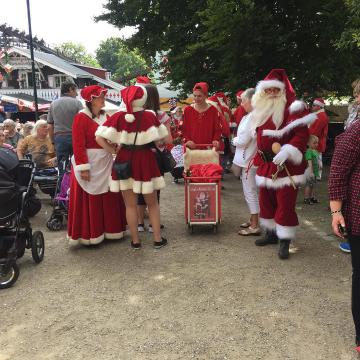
[(121, 129), (278, 197), (94, 212)]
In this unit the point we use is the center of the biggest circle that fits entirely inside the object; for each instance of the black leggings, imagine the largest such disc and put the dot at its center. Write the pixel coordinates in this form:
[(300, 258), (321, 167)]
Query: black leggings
[(355, 293)]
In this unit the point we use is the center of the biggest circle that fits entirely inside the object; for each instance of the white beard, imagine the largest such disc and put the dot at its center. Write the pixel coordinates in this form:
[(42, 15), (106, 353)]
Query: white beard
[(265, 107)]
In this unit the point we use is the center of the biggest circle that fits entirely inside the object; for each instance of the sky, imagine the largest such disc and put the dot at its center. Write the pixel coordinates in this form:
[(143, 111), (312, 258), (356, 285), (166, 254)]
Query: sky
[(58, 21)]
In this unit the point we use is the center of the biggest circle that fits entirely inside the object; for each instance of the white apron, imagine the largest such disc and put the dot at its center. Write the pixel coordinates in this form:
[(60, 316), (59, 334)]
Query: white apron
[(101, 163)]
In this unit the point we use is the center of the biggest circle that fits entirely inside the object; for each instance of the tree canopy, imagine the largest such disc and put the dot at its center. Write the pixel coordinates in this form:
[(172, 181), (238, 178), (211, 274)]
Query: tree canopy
[(78, 53), (232, 44), (125, 64)]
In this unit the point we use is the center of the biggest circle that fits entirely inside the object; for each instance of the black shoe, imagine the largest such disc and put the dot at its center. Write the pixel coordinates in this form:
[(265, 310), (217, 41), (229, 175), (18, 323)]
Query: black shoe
[(308, 202), (284, 249), (160, 244), (270, 238), (136, 246)]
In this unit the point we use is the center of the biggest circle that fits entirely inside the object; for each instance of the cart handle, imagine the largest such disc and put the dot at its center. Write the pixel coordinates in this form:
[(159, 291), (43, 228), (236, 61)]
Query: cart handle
[(201, 146)]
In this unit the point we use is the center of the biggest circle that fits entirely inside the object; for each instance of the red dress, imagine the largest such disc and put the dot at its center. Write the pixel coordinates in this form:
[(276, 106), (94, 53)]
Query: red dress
[(146, 176), (94, 212), (201, 127)]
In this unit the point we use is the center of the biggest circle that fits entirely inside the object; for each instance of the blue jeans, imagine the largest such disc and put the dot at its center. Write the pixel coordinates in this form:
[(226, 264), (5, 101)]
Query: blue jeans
[(64, 149)]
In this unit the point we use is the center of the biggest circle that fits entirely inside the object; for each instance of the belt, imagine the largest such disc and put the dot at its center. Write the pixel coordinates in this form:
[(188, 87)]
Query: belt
[(137, 147), (266, 156)]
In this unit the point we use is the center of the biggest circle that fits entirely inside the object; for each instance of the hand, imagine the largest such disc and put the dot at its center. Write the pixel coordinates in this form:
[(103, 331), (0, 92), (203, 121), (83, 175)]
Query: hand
[(85, 175), (51, 162), (215, 144), (280, 158), (190, 144), (337, 219)]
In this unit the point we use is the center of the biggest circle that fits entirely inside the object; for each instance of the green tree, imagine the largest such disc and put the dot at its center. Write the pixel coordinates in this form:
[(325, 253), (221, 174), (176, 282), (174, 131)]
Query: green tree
[(78, 53), (232, 44), (125, 64), (350, 37)]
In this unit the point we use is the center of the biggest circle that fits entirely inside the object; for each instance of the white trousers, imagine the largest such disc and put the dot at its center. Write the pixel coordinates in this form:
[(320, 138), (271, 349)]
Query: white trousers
[(250, 189)]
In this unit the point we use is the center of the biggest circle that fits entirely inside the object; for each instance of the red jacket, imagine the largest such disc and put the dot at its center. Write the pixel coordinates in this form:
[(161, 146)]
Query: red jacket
[(319, 128)]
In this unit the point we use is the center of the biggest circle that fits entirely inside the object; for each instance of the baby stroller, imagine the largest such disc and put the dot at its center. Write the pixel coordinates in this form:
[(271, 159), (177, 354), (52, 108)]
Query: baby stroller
[(16, 234), (61, 199), (47, 180)]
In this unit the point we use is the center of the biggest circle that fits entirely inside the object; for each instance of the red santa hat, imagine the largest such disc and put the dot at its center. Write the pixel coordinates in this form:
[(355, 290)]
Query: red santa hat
[(319, 102), (277, 78), (92, 91), (203, 87), (238, 94), (222, 99), (134, 98), (142, 80), (214, 101)]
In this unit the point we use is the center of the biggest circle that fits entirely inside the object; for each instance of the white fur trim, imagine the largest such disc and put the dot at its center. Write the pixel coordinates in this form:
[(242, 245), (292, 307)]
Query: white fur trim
[(99, 120), (294, 154), (91, 241), (214, 104), (123, 137), (139, 103), (82, 167), (305, 120), (285, 232), (318, 103), (279, 183), (115, 236), (265, 84), (268, 224), (138, 187), (108, 133), (130, 118), (297, 106)]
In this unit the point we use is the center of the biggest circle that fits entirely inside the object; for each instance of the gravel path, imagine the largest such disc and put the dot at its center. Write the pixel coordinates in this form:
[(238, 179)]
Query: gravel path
[(205, 296)]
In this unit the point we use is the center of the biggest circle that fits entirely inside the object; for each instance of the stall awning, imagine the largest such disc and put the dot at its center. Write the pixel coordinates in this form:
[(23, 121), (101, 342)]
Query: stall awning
[(25, 102)]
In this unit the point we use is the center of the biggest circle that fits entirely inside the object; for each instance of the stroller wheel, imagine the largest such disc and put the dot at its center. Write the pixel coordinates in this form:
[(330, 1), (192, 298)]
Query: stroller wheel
[(37, 246), (9, 276), (54, 224)]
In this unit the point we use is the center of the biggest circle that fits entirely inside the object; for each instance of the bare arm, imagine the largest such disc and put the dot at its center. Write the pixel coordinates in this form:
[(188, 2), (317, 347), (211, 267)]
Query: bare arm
[(105, 145)]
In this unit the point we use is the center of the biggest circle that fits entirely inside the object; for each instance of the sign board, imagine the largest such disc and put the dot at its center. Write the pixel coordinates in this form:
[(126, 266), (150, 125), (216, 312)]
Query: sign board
[(11, 108)]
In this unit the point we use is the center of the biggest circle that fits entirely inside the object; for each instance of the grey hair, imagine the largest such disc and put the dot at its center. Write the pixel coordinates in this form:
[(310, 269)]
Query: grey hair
[(247, 94), (37, 125), (10, 122)]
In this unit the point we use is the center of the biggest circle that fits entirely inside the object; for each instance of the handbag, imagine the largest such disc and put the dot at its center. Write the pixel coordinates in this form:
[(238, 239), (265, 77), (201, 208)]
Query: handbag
[(165, 160), (122, 170)]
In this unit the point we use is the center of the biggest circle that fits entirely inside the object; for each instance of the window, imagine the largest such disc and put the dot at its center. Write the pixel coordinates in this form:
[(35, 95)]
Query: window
[(59, 79)]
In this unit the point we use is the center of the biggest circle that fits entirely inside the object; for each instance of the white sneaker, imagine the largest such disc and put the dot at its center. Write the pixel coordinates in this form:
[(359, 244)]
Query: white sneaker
[(150, 229), (141, 228)]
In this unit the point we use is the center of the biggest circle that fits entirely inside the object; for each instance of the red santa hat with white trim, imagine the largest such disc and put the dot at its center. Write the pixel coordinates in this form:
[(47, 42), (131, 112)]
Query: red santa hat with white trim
[(134, 98), (319, 102), (92, 91), (238, 94), (277, 78)]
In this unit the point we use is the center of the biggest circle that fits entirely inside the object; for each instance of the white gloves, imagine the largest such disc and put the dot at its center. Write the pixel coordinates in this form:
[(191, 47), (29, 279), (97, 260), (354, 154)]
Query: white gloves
[(281, 157)]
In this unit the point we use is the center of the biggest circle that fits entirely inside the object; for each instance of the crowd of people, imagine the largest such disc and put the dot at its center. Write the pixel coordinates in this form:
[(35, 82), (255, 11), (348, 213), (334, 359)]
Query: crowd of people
[(273, 142)]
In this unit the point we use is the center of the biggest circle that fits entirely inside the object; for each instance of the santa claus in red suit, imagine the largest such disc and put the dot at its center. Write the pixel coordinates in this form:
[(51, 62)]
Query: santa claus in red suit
[(320, 128), (282, 130), (94, 212), (202, 122)]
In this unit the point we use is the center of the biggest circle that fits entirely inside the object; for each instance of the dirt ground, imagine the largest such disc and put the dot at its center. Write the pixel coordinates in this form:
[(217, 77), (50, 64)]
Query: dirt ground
[(205, 296)]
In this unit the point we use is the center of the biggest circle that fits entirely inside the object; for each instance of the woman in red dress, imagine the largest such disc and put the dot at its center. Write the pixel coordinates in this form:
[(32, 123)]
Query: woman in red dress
[(95, 213), (135, 131)]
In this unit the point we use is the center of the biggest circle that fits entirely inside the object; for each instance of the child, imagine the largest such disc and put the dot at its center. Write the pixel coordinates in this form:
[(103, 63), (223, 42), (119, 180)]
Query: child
[(178, 154), (312, 171)]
